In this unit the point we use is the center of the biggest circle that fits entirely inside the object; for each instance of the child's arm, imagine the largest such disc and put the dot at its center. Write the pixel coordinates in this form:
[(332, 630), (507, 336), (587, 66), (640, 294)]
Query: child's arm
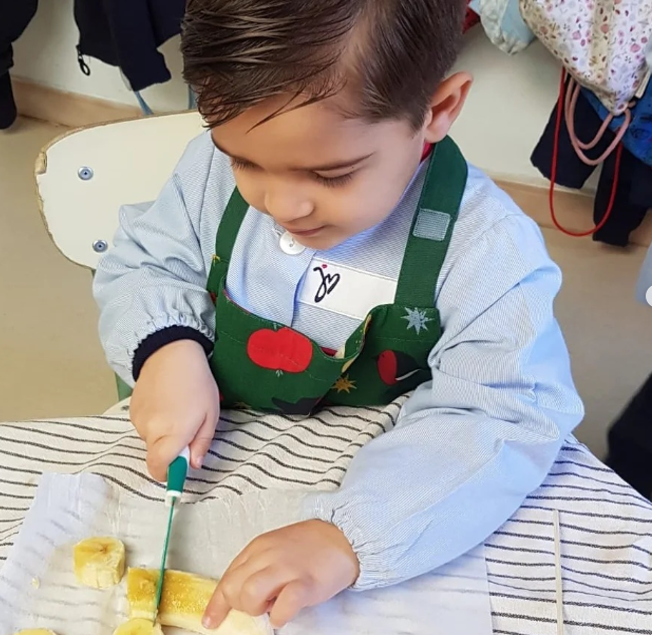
[(466, 451), (469, 447), (156, 315)]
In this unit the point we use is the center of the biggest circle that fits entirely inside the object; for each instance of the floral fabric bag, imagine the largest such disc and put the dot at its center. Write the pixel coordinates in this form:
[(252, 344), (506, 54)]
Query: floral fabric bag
[(600, 42)]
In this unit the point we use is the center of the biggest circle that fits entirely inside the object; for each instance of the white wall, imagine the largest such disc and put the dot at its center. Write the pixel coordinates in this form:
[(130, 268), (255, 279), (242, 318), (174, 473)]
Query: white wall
[(508, 108), (505, 115)]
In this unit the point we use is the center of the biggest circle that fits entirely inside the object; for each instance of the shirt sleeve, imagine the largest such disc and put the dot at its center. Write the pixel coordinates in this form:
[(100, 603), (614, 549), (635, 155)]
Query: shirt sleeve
[(644, 287), (151, 286), (471, 444)]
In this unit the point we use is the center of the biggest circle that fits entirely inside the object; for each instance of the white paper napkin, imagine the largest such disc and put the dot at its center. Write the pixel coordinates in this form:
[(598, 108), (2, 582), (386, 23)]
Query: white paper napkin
[(38, 588)]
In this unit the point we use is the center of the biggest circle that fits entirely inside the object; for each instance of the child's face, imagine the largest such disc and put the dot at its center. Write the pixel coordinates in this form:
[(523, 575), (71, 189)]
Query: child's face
[(320, 175)]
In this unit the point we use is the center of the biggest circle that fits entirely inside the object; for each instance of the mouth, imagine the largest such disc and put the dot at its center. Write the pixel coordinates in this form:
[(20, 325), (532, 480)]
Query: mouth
[(306, 233)]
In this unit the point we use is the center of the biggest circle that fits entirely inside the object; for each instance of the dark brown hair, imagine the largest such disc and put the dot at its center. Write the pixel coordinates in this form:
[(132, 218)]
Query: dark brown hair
[(391, 53)]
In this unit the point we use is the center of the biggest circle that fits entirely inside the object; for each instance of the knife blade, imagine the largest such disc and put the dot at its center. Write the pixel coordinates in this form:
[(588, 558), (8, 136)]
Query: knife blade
[(177, 473)]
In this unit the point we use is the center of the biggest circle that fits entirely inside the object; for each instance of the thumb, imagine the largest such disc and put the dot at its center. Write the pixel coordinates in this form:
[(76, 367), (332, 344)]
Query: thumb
[(201, 444), (161, 453)]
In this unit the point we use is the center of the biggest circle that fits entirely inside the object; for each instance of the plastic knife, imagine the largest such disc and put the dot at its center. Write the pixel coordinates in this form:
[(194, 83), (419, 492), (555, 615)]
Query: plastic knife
[(177, 473)]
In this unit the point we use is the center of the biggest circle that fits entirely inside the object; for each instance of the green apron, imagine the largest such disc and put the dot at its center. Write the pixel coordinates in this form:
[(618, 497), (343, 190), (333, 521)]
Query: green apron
[(266, 366)]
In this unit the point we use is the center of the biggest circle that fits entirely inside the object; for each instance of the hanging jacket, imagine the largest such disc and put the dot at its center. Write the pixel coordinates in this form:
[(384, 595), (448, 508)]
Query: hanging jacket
[(14, 18), (503, 24), (127, 34), (471, 18), (633, 196)]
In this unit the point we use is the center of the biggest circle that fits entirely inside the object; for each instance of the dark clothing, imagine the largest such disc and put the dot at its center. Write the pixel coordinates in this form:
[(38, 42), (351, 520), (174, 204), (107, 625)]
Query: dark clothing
[(630, 442), (634, 193), (127, 34), (633, 198), (15, 15)]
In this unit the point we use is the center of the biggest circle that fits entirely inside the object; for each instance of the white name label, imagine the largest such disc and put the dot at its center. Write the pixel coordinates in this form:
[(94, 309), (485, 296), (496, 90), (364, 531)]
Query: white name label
[(345, 290)]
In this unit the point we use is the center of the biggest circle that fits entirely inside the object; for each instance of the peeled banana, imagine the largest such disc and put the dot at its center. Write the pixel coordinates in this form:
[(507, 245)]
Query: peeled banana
[(184, 600), (139, 627), (35, 631), (99, 562)]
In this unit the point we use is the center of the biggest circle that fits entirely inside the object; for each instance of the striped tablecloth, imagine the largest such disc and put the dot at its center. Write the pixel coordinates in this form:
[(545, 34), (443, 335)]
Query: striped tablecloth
[(597, 565)]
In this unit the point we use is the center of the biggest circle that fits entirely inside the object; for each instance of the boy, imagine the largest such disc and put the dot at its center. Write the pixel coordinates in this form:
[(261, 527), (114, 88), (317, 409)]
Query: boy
[(296, 257)]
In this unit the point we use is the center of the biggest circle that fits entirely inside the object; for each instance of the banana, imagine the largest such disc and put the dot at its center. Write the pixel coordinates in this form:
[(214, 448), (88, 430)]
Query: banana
[(99, 562), (35, 631), (139, 627), (185, 597)]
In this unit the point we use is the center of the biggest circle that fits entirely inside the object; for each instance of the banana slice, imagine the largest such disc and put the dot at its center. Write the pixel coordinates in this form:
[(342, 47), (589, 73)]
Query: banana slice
[(185, 598), (99, 562), (36, 631), (139, 627)]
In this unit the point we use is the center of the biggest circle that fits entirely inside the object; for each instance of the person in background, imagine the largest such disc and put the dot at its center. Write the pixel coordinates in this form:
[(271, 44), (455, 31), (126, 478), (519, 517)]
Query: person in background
[(630, 437), (14, 18), (326, 243)]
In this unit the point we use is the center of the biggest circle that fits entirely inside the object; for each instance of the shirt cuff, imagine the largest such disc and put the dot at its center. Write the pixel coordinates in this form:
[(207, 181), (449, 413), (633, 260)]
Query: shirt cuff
[(371, 576), (159, 339)]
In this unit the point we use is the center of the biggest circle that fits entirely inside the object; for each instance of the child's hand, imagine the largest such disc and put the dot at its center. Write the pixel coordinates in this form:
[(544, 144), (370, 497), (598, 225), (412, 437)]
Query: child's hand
[(285, 571), (175, 403)]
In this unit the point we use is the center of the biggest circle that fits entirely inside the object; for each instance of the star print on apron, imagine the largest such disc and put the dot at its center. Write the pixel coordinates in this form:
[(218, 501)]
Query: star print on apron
[(266, 366)]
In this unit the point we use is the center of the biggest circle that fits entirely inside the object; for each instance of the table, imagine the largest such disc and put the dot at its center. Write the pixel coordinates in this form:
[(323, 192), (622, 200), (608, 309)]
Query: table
[(605, 527)]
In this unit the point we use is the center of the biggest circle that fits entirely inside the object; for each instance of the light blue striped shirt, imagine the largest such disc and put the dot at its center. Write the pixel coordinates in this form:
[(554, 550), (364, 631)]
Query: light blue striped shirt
[(470, 444)]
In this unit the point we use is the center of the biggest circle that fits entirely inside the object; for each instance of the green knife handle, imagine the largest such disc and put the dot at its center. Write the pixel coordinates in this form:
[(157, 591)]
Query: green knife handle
[(177, 473)]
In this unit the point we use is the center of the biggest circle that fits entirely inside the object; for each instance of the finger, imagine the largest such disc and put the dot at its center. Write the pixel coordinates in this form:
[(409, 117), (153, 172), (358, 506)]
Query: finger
[(227, 595), (291, 599), (216, 611), (202, 442), (161, 453), (259, 590)]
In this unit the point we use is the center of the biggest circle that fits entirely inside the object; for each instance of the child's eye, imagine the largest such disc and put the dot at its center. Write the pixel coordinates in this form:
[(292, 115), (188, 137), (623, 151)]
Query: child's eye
[(239, 164), (334, 181)]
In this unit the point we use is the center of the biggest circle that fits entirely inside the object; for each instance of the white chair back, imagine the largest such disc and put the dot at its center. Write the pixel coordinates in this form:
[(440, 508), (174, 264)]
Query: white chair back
[(85, 175)]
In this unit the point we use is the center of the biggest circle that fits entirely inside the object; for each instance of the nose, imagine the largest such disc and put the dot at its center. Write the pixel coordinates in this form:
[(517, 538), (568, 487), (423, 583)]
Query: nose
[(287, 205)]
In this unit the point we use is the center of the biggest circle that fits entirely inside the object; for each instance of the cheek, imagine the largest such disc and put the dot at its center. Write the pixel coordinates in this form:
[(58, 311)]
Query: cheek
[(252, 189), (374, 197)]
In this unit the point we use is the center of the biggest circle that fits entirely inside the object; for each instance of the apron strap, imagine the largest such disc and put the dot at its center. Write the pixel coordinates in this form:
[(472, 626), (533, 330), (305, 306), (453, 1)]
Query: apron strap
[(430, 234), (432, 227), (227, 233)]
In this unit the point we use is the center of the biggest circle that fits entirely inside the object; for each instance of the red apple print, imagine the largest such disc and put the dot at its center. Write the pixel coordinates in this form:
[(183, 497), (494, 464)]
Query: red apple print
[(284, 350), (394, 367)]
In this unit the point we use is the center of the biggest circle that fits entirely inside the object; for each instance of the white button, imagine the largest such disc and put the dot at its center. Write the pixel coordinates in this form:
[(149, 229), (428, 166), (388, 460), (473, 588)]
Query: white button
[(290, 246)]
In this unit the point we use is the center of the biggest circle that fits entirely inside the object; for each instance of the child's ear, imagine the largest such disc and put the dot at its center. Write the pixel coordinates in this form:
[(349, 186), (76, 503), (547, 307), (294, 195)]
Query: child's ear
[(446, 104)]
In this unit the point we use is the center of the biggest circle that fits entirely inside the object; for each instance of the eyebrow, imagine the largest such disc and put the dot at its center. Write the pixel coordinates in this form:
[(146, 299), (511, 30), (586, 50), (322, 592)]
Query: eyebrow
[(329, 167)]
